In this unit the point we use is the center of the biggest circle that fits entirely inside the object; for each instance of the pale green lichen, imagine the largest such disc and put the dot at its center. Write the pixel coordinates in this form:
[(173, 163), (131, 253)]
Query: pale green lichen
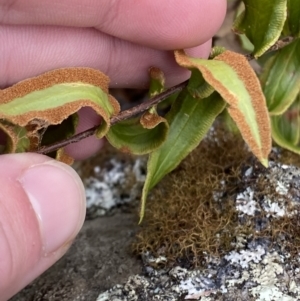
[(265, 282)]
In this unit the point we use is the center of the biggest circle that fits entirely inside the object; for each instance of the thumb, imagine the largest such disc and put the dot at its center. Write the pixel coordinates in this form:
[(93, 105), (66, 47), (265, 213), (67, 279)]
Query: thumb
[(42, 208)]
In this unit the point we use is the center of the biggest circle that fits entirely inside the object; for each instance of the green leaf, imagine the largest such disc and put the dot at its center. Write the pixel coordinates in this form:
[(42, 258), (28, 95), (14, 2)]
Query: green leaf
[(286, 128), (281, 78), (262, 22), (234, 79), (292, 25), (138, 138), (189, 119)]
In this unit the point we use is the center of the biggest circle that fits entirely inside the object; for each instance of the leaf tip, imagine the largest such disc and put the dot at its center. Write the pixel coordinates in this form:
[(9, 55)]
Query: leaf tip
[(181, 58), (143, 200), (265, 162), (141, 219), (157, 74), (62, 156)]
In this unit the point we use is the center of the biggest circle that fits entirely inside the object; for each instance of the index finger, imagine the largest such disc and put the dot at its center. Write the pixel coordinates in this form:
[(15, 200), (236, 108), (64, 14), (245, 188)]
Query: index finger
[(168, 24)]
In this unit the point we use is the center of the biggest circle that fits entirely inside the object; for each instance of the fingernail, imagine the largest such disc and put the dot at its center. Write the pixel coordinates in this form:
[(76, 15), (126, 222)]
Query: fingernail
[(57, 197)]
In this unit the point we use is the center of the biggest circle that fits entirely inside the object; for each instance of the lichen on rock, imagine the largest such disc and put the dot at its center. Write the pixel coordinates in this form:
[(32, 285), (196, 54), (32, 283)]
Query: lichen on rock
[(214, 245)]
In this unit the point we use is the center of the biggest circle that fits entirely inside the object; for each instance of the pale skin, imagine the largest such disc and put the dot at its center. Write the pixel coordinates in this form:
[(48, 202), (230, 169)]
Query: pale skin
[(123, 39)]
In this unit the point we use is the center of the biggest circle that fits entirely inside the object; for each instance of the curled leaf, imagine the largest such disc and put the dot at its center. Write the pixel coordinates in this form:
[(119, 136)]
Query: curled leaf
[(51, 97), (197, 85), (281, 78), (151, 119), (137, 136), (142, 135), (233, 78), (262, 22)]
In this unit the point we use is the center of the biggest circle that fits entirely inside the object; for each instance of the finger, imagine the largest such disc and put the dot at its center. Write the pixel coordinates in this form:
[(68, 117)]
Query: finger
[(159, 24), (42, 208), (28, 51)]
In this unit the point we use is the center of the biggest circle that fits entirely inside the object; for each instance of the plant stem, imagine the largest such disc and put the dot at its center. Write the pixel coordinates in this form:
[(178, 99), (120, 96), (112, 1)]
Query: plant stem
[(143, 106), (121, 116), (278, 45)]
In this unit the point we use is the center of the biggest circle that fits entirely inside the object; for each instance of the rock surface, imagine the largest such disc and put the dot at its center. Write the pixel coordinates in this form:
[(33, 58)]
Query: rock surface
[(100, 265), (99, 258), (263, 265)]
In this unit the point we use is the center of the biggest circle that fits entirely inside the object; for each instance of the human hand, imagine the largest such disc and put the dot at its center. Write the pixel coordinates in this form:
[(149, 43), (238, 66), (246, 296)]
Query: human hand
[(41, 200)]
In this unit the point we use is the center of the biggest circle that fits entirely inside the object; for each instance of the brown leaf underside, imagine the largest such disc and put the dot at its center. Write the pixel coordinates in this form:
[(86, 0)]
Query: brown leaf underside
[(245, 72), (59, 76)]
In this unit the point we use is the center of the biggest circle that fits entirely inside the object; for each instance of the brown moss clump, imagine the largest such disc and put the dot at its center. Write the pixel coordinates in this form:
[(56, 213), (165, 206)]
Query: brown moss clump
[(187, 217), (192, 213)]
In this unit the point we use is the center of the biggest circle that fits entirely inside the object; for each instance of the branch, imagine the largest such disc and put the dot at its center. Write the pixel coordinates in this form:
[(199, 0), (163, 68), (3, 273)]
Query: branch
[(278, 45), (143, 106), (121, 116)]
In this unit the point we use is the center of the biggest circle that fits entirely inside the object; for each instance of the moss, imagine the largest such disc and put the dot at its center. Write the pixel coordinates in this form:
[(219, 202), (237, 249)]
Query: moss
[(191, 214), (187, 215)]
